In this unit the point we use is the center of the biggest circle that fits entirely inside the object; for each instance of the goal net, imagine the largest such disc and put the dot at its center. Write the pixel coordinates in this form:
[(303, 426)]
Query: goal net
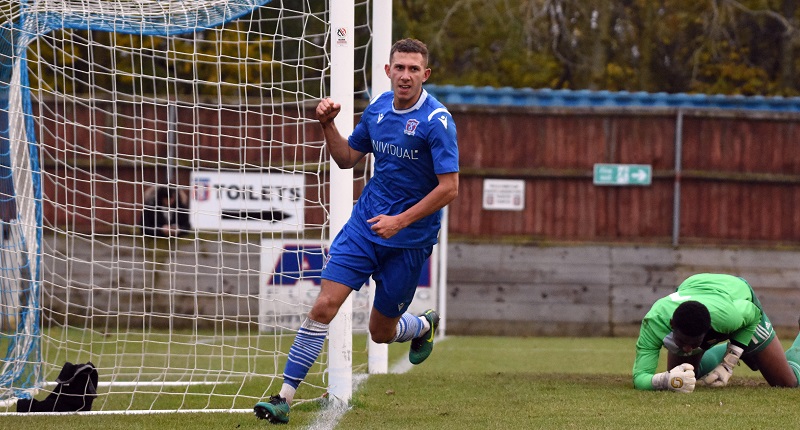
[(116, 115)]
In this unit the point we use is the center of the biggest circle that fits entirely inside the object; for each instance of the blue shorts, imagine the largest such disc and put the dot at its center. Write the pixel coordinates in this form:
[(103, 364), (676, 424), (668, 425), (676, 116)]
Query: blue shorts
[(353, 259)]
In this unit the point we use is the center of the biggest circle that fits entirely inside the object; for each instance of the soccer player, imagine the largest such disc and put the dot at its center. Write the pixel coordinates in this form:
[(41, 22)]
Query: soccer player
[(707, 325), (166, 212), (394, 223)]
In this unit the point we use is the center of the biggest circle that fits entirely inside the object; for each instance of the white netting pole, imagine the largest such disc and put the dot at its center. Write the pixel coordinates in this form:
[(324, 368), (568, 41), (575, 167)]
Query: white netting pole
[(381, 44), (340, 341), (441, 282)]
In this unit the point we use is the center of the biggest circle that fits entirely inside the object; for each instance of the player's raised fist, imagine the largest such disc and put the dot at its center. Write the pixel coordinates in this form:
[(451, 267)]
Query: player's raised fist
[(327, 110)]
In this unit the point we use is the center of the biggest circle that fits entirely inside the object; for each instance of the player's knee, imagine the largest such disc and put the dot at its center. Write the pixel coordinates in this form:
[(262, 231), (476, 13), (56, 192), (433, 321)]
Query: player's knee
[(787, 382), (323, 311), (381, 333), (381, 337)]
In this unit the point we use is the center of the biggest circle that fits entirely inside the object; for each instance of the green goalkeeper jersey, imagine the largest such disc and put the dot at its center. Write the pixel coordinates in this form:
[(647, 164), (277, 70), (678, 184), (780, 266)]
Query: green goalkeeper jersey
[(734, 317)]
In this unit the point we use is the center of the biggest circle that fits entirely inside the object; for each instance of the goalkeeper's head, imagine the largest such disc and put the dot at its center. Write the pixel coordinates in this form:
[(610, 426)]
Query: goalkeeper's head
[(690, 323)]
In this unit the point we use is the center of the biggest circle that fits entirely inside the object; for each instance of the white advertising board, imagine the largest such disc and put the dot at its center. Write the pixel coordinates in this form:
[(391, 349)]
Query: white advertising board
[(504, 194), (247, 201), (290, 281)]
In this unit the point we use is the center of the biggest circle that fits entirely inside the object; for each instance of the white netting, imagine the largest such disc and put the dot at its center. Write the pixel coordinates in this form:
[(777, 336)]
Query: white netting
[(215, 103)]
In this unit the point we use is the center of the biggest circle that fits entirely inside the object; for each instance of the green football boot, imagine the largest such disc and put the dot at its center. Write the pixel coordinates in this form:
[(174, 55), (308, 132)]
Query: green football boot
[(422, 346), (276, 410)]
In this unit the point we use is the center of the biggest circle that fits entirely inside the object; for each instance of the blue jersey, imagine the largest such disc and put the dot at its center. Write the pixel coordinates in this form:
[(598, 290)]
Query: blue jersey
[(410, 148)]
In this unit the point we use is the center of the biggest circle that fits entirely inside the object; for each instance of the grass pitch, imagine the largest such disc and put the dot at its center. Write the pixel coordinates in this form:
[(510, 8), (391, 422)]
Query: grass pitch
[(504, 383)]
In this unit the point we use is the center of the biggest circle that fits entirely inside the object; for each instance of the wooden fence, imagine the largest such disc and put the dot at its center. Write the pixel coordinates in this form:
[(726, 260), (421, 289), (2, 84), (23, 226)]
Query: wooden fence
[(578, 259), (719, 176)]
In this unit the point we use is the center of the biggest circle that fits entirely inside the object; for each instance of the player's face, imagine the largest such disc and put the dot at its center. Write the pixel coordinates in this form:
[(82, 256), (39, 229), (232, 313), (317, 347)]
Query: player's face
[(407, 71), (687, 344)]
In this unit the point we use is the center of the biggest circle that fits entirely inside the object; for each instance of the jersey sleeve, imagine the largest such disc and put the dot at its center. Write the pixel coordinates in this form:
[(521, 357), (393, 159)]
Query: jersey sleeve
[(359, 139), (443, 140), (750, 318), (648, 349)]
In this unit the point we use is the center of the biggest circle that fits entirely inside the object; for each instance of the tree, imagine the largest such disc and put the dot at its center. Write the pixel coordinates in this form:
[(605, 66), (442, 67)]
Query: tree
[(744, 47), (713, 46)]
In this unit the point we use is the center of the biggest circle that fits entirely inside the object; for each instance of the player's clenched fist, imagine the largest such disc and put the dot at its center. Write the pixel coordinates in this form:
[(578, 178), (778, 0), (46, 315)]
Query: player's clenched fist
[(721, 374), (327, 110), (680, 378)]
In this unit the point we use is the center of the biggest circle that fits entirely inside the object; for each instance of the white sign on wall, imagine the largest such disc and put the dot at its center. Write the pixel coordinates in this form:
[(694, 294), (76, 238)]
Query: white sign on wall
[(504, 194), (256, 201), (290, 280)]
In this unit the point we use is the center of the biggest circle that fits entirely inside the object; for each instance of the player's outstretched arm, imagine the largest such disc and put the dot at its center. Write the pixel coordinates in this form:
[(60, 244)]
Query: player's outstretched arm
[(680, 378), (344, 156)]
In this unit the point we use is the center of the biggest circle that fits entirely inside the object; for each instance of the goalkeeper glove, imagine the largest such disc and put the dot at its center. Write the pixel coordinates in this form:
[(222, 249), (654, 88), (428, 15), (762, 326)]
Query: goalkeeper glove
[(680, 378), (722, 373)]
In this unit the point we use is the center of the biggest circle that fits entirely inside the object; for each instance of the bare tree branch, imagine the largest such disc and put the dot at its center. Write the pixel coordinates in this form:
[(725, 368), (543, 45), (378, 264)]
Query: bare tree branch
[(789, 28)]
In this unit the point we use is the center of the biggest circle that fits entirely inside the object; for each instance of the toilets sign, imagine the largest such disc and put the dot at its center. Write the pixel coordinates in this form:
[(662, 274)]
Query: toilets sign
[(249, 201)]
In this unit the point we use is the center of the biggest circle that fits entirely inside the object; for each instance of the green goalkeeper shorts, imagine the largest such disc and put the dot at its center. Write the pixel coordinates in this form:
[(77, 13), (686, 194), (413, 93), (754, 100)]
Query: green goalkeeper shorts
[(764, 333)]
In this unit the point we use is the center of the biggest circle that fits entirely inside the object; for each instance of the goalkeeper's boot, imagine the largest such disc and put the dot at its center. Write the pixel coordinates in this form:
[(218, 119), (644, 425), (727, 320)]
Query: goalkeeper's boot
[(276, 410), (422, 346)]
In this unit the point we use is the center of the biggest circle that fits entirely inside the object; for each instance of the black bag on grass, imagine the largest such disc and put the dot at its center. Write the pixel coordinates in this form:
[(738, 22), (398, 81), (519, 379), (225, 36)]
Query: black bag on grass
[(75, 391)]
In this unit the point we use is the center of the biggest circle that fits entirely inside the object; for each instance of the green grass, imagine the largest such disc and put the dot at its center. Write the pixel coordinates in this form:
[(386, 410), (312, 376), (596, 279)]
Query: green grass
[(505, 383)]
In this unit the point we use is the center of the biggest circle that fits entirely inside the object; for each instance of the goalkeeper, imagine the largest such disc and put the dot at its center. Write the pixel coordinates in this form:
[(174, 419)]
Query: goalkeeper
[(709, 324)]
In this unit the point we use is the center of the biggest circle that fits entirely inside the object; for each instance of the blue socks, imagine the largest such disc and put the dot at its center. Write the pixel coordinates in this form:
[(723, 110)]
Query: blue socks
[(304, 351), (311, 337)]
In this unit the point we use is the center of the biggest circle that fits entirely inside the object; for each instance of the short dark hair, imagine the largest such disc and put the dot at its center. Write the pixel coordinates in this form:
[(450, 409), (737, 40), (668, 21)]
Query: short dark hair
[(164, 192), (691, 318), (410, 46)]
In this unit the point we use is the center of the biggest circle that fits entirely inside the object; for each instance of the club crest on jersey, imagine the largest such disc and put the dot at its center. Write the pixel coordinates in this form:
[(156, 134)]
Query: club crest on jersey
[(411, 127)]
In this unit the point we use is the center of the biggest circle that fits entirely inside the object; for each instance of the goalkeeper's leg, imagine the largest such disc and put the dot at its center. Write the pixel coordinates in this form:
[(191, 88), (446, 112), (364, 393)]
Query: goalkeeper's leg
[(711, 359), (774, 365), (793, 357), (765, 354)]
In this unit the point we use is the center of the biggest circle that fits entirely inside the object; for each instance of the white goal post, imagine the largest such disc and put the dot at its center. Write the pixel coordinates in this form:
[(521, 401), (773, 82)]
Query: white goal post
[(106, 106)]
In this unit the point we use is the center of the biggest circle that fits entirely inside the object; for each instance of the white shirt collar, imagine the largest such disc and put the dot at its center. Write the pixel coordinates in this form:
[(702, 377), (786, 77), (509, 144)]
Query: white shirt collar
[(417, 105)]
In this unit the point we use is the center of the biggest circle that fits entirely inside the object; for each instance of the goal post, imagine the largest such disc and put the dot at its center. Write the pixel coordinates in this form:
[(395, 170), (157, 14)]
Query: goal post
[(340, 341), (20, 212), (381, 44)]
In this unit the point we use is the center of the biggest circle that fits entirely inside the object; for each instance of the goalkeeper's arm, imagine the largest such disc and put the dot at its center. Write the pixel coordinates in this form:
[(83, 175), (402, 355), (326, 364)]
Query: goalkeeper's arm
[(645, 364)]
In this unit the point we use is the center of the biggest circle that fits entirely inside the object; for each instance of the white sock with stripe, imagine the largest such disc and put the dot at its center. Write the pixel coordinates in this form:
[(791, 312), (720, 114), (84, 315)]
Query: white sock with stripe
[(408, 327)]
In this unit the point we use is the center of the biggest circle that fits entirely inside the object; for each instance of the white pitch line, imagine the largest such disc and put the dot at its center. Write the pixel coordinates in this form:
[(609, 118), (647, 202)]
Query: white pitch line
[(335, 409)]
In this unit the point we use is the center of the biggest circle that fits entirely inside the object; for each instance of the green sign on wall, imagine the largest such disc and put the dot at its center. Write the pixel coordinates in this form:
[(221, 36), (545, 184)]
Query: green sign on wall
[(622, 174)]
